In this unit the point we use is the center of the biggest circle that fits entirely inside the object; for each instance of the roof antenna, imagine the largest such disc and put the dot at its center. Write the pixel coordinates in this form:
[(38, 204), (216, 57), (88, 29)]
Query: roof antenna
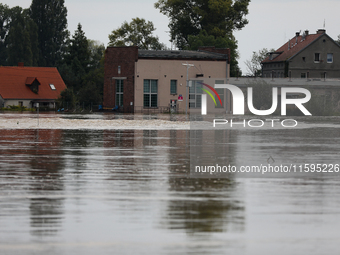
[(324, 23)]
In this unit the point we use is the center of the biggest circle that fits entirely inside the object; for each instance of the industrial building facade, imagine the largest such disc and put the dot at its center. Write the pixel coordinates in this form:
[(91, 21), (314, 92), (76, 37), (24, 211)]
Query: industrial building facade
[(143, 80)]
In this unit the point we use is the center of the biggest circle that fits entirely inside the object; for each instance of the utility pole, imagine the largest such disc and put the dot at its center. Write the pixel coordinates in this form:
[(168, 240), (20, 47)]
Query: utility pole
[(37, 105), (187, 86)]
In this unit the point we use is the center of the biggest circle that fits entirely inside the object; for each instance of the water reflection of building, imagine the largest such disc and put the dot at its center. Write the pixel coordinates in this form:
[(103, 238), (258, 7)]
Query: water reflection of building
[(38, 164), (198, 205), (203, 204), (119, 150)]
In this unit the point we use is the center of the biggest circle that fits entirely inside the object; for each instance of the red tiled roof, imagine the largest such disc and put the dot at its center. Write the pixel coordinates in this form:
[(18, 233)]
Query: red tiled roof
[(13, 82), (30, 80), (294, 48)]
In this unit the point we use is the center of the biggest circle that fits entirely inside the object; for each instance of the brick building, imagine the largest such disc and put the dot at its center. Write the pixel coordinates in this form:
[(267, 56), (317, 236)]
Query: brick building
[(138, 80)]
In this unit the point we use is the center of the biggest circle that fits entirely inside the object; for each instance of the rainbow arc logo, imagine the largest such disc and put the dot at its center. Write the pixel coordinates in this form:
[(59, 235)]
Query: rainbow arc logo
[(209, 93)]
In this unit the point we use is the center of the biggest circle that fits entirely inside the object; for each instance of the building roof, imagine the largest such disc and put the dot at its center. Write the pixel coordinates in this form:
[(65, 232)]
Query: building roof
[(292, 47), (180, 55), (15, 82)]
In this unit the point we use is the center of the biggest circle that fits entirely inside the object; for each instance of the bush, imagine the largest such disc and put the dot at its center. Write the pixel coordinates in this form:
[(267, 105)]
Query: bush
[(16, 108)]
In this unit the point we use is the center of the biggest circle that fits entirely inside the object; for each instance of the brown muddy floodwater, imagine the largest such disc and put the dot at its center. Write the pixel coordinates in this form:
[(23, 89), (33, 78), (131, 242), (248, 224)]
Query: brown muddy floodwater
[(101, 191)]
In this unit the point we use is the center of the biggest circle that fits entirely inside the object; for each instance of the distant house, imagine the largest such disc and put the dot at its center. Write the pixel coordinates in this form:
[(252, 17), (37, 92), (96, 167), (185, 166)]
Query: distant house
[(26, 86), (149, 80), (304, 56)]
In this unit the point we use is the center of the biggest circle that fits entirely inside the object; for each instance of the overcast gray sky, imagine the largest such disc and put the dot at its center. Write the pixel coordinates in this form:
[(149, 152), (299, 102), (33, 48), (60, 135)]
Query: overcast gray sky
[(271, 22)]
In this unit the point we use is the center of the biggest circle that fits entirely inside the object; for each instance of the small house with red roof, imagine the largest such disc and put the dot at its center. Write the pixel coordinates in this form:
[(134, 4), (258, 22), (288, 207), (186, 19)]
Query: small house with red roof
[(27, 86), (304, 56)]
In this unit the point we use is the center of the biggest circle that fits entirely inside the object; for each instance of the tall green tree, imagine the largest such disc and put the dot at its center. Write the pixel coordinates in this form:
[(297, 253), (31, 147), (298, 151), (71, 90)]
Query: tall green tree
[(138, 33), (203, 39), (4, 29), (79, 49), (22, 39), (216, 17), (96, 67), (76, 60), (83, 68), (51, 19), (96, 50)]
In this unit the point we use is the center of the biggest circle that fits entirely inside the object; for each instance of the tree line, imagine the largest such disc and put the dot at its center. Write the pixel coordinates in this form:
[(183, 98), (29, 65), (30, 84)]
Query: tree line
[(38, 36), (192, 24)]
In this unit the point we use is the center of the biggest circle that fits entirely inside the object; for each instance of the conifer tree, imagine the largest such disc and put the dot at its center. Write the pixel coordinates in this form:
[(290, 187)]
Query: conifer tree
[(51, 19)]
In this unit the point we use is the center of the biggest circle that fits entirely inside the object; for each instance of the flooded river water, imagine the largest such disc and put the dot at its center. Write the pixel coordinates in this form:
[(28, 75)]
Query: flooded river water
[(118, 191)]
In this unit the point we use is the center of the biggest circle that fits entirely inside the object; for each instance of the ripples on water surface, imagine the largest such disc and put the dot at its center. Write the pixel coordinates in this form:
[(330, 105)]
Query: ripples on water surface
[(128, 192)]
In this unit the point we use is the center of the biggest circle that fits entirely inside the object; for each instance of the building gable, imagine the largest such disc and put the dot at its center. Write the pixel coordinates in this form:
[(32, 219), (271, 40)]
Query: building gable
[(318, 45), (31, 83), (304, 56)]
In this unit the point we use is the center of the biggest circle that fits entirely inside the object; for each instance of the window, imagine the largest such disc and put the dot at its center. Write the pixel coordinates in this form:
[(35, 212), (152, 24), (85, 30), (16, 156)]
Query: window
[(317, 57), (119, 92), (173, 87), (150, 93), (329, 57), (52, 87), (21, 103), (195, 94)]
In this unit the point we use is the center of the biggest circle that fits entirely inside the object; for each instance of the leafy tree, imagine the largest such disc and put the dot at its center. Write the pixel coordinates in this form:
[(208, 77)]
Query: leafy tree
[(76, 60), (79, 49), (51, 19), (96, 73), (67, 99), (216, 17), (254, 66), (203, 39), (83, 67), (96, 50), (4, 29), (90, 94), (22, 41), (138, 33)]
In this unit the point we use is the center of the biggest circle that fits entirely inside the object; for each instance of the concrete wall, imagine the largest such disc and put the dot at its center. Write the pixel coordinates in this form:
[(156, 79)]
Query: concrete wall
[(26, 103), (166, 70), (15, 102)]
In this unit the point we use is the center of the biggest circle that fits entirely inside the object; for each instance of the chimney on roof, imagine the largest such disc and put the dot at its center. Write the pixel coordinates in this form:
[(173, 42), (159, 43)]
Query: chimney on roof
[(321, 31), (21, 64), (306, 32)]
